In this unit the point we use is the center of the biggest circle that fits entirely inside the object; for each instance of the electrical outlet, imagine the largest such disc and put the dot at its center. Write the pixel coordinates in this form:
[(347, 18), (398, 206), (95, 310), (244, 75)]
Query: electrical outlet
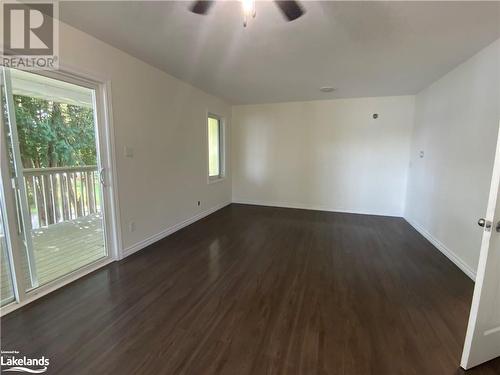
[(131, 226)]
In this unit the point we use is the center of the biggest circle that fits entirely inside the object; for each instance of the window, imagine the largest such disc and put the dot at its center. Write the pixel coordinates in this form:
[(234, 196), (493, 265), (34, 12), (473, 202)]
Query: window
[(215, 148)]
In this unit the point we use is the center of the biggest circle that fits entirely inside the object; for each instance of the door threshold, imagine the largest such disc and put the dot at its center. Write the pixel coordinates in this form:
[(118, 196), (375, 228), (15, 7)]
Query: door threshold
[(50, 287)]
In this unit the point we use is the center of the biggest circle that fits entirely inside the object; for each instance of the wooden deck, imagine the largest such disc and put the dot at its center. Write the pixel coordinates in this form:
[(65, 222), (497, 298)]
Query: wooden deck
[(62, 248)]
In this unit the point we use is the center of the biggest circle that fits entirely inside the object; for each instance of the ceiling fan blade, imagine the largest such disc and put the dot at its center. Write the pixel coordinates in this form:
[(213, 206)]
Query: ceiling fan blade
[(202, 7), (290, 9)]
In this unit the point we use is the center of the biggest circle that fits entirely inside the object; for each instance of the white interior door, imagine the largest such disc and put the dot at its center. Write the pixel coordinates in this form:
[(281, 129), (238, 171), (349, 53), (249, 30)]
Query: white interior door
[(482, 342)]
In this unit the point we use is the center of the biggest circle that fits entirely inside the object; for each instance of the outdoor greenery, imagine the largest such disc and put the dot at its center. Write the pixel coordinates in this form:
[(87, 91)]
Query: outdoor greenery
[(53, 134)]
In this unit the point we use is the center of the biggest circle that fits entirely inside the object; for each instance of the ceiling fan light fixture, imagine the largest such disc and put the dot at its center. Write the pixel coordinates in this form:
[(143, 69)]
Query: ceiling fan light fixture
[(248, 10), (290, 9)]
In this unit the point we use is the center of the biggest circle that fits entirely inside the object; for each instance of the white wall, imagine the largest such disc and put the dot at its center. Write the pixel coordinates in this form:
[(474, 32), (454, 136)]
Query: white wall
[(164, 121), (327, 155), (456, 125), (324, 154)]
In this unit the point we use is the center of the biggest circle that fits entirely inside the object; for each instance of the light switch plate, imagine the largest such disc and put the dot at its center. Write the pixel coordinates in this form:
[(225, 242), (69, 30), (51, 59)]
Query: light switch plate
[(131, 226), (129, 152)]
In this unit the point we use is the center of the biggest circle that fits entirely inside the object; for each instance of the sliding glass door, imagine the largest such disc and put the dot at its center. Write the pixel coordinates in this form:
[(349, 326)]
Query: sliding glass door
[(55, 172)]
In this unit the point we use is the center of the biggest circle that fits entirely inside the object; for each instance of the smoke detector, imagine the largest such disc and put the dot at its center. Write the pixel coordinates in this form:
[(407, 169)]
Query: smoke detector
[(327, 89)]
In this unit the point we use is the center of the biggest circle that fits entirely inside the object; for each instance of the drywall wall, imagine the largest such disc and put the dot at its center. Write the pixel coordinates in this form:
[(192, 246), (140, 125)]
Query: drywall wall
[(456, 125), (164, 121), (329, 155)]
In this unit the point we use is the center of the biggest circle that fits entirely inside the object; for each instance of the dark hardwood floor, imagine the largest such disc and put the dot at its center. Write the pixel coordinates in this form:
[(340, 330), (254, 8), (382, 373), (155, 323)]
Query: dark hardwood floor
[(260, 290)]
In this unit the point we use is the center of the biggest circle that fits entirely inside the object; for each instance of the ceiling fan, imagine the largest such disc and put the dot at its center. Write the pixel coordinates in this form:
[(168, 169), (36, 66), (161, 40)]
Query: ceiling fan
[(290, 9)]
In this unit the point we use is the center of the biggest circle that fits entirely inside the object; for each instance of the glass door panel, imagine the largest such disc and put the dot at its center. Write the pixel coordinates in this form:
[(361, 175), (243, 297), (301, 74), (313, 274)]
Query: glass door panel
[(6, 283), (55, 159)]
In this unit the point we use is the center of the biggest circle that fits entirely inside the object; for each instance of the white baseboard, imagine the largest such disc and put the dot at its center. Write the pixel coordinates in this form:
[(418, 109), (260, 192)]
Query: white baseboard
[(445, 250), (168, 231), (311, 207)]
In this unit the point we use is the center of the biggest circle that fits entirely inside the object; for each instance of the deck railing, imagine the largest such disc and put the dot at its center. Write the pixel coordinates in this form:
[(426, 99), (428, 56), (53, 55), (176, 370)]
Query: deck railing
[(61, 194)]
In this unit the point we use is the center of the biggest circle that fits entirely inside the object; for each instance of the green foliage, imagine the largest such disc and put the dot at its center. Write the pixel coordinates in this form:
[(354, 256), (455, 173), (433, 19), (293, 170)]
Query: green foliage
[(53, 134)]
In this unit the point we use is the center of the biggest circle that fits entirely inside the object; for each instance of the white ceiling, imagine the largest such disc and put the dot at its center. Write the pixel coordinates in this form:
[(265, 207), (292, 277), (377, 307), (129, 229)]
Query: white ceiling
[(360, 48)]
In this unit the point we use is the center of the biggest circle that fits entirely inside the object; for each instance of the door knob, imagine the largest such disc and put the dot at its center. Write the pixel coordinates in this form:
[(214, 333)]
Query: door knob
[(484, 223), (498, 227)]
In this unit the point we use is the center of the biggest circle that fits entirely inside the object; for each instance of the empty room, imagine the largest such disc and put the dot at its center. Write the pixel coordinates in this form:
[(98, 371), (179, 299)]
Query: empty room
[(250, 187)]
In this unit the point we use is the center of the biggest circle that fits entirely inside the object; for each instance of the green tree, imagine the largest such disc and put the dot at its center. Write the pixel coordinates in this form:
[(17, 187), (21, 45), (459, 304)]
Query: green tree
[(54, 134)]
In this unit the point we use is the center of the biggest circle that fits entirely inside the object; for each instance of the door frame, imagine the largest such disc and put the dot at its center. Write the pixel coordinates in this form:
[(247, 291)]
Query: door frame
[(107, 160)]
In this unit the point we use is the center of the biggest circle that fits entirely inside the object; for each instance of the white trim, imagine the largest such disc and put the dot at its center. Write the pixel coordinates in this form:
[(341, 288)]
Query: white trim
[(34, 294), (114, 204), (310, 207), (450, 254), (170, 230)]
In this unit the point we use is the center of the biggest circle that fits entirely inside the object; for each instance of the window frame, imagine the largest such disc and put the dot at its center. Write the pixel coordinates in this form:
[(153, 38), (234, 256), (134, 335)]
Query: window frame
[(222, 148)]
